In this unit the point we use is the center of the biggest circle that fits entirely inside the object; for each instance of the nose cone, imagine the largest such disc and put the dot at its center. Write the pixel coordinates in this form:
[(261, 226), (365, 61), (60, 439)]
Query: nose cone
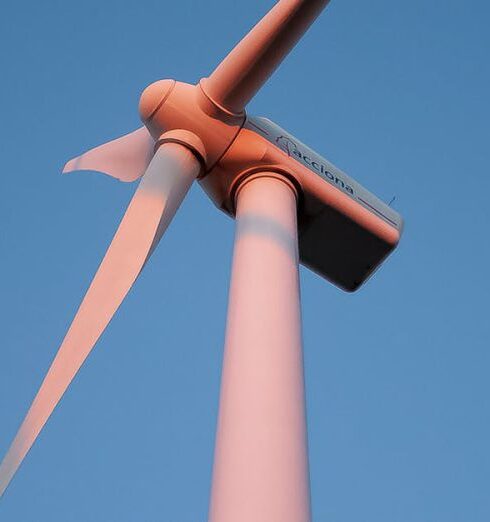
[(153, 96)]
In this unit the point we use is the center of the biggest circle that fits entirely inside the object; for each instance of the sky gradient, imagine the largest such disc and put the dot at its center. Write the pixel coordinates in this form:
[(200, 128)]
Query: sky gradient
[(393, 93)]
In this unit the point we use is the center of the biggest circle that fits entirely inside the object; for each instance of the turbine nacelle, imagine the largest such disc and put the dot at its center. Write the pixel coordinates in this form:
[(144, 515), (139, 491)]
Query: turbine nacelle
[(345, 232)]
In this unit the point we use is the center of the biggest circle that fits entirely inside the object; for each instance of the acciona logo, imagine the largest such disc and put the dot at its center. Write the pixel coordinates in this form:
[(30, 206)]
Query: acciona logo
[(291, 148)]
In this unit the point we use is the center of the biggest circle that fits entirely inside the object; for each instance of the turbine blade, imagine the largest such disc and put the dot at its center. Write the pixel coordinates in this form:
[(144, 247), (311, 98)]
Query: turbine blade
[(247, 67), (162, 189), (124, 158)]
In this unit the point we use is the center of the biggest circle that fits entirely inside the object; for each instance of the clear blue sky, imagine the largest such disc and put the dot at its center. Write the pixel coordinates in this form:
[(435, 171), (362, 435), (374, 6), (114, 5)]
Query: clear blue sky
[(394, 93)]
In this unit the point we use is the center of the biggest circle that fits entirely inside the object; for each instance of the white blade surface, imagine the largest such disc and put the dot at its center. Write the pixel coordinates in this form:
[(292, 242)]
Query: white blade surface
[(157, 198), (125, 158)]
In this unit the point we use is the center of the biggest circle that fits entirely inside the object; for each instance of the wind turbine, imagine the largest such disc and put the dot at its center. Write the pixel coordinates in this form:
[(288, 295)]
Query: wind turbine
[(290, 205)]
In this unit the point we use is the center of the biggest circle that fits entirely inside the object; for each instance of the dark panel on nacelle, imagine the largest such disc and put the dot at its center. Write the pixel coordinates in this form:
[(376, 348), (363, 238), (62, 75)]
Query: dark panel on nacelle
[(340, 250)]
